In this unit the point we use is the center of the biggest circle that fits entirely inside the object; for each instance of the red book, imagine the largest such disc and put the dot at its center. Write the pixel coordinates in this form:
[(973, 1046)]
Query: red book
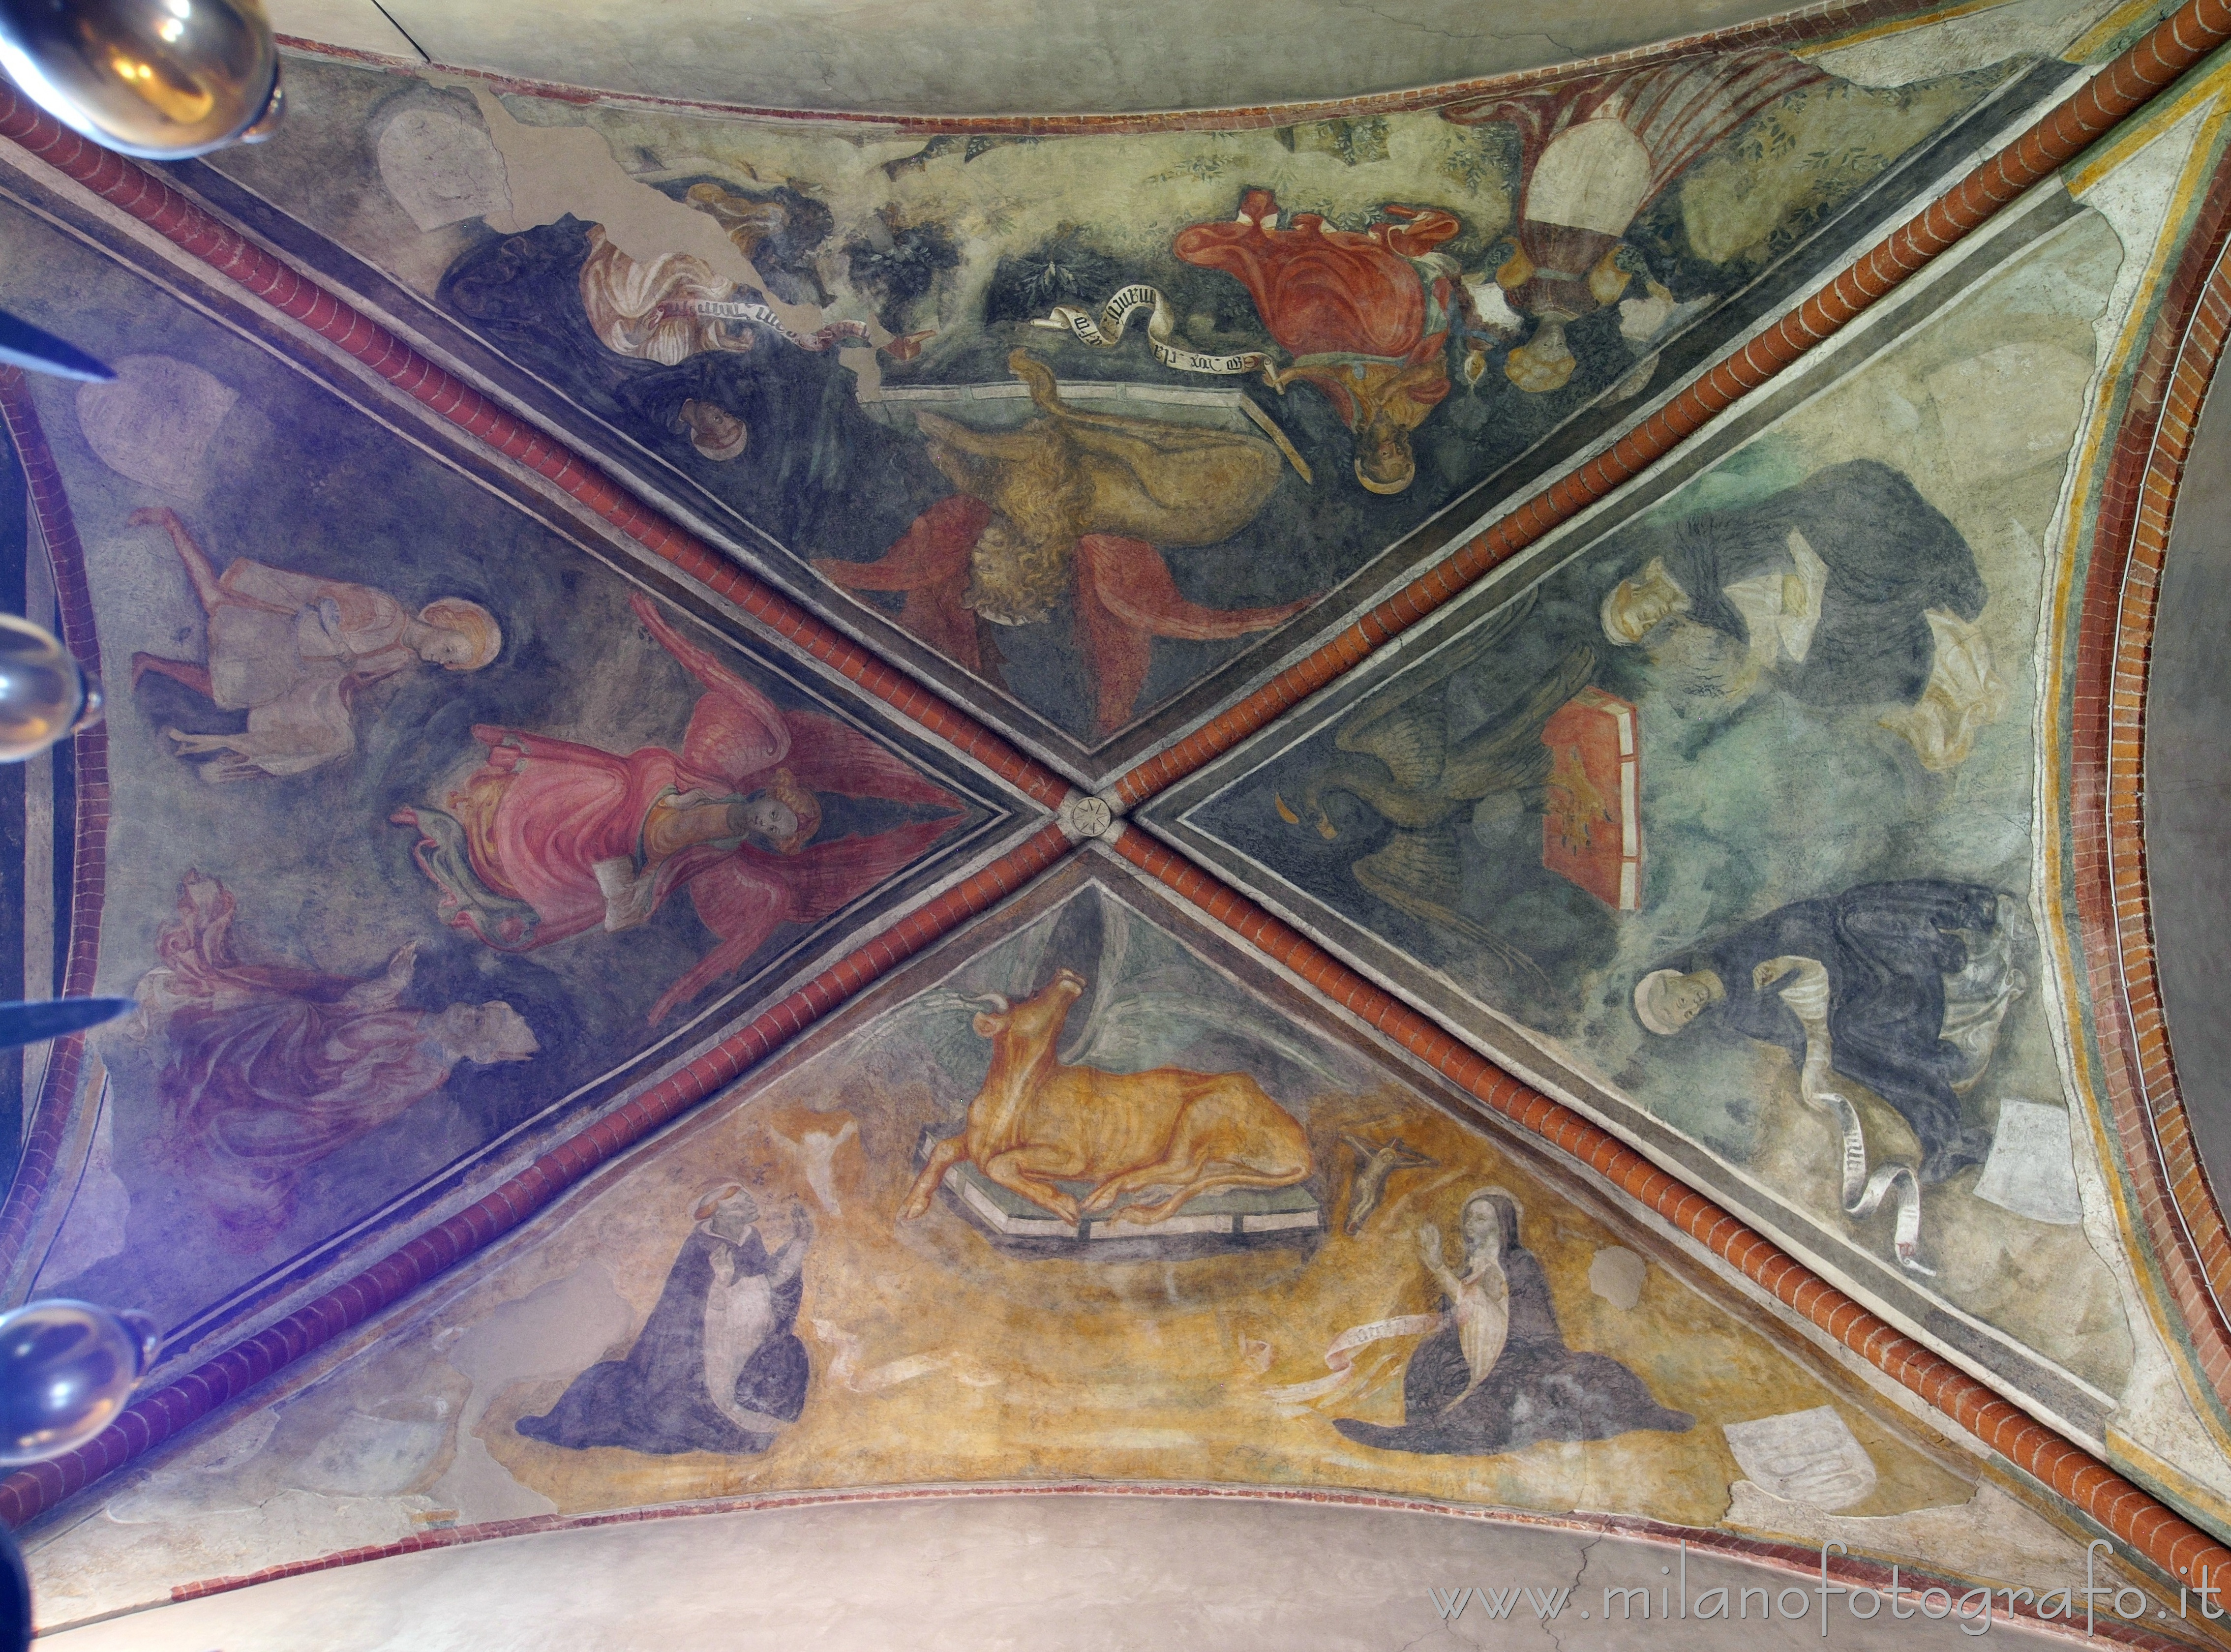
[(1592, 819)]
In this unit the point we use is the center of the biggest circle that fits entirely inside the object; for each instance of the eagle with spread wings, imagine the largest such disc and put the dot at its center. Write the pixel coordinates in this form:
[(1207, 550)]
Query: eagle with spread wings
[(1401, 755)]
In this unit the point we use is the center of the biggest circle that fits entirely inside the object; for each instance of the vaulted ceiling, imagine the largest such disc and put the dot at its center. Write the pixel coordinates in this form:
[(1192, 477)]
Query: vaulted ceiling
[(1423, 798)]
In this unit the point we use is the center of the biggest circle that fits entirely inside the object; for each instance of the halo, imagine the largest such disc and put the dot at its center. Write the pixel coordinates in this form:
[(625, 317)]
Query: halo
[(1493, 1191), (723, 450), (1408, 476), (782, 785), (714, 1199), (1643, 1013), (468, 619)]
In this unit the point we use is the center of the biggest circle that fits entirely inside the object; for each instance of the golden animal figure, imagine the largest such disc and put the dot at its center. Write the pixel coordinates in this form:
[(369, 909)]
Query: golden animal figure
[(1037, 1122)]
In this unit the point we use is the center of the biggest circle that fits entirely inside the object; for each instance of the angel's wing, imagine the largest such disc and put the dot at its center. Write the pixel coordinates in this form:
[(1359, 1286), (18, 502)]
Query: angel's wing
[(1028, 956), (735, 729), (1107, 986), (1402, 725), (825, 877), (742, 901), (826, 755), (931, 1038)]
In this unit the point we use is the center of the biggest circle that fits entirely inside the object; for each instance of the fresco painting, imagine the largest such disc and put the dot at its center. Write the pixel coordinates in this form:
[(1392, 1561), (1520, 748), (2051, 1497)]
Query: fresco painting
[(548, 838), (408, 793), (1729, 808), (1347, 325), (441, 830), (718, 1366), (269, 1067), (294, 651), (749, 1305)]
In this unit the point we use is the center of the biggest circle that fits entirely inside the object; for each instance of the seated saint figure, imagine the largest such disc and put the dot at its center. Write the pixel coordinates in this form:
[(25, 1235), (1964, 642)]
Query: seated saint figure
[(1496, 1375), (550, 837), (295, 651), (1919, 977), (1848, 589), (718, 1366)]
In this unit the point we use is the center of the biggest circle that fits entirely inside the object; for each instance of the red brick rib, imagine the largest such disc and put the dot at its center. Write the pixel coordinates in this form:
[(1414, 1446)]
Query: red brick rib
[(50, 1113), (157, 1416), (133, 189), (2114, 922), (2109, 98), (2120, 1507)]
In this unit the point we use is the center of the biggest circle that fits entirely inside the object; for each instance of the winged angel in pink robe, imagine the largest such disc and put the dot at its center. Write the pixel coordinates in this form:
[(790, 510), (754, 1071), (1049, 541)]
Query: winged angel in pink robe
[(548, 838)]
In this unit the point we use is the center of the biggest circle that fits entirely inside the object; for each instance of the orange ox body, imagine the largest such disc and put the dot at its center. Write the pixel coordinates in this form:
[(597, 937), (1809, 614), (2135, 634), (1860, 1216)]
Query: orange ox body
[(1037, 1123)]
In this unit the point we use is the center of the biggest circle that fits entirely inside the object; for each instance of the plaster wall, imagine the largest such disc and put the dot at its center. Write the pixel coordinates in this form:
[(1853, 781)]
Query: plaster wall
[(1084, 1573)]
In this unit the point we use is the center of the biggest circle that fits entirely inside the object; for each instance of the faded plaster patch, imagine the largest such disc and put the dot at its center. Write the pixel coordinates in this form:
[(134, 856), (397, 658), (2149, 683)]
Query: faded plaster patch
[(154, 422), (2017, 407), (1990, 1535), (1616, 1274), (2135, 199), (557, 1330), (2156, 1415), (555, 171), (2044, 28), (93, 1229), (443, 168)]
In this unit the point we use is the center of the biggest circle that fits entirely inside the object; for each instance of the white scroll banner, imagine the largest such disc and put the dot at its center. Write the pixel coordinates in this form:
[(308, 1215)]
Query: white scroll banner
[(1341, 1356), (742, 310), (1863, 1194), (1108, 332)]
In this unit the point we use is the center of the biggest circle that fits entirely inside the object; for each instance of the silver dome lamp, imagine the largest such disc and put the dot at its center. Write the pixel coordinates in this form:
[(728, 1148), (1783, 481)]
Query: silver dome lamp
[(160, 78), (67, 1371), (164, 79)]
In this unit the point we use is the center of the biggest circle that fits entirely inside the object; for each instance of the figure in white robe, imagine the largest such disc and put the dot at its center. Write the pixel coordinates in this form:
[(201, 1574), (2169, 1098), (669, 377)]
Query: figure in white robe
[(294, 651)]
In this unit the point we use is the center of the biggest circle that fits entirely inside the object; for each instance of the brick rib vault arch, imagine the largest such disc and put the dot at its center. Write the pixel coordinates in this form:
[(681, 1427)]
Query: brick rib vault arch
[(2151, 1531), (2189, 1270)]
